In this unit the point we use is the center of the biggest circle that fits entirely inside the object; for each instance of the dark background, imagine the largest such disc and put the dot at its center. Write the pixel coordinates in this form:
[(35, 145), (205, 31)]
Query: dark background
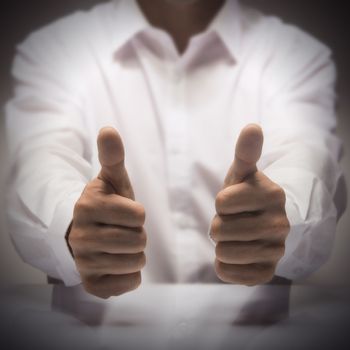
[(327, 20)]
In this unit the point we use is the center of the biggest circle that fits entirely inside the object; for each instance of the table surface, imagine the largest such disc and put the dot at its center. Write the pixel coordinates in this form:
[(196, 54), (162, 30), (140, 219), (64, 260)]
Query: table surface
[(192, 316)]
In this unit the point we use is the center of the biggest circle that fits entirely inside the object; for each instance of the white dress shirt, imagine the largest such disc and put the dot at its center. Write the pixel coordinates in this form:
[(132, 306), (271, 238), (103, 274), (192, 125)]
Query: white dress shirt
[(179, 117)]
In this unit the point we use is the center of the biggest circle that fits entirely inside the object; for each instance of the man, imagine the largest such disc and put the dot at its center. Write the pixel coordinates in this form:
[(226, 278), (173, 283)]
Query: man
[(187, 88)]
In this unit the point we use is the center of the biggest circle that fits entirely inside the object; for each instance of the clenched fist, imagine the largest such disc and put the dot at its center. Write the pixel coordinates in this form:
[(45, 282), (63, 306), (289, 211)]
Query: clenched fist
[(107, 236), (251, 226)]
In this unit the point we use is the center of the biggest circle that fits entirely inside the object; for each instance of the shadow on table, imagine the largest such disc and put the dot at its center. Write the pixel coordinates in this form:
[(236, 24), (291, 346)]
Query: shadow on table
[(269, 304)]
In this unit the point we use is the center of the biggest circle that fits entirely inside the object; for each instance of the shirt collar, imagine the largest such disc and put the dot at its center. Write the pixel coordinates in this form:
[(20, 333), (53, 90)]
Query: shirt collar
[(227, 26), (129, 21)]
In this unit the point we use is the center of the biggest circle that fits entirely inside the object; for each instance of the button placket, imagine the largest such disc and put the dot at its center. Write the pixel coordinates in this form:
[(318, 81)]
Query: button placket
[(177, 139)]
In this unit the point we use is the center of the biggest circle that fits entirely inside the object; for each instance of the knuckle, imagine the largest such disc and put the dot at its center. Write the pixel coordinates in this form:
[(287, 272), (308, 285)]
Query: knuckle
[(263, 273), (135, 281), (82, 207), (282, 226), (275, 227), (141, 241), (267, 274), (140, 261), (277, 194), (285, 225), (104, 286), (225, 252), (84, 265), (250, 282), (221, 270), (219, 251), (280, 251), (136, 242), (252, 278), (279, 226), (132, 281), (216, 226), (271, 252), (139, 213), (259, 274), (127, 283), (221, 201), (76, 237), (249, 276)]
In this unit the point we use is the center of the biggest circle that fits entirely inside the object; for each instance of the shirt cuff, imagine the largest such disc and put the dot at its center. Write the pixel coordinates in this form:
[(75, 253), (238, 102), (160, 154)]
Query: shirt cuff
[(56, 240)]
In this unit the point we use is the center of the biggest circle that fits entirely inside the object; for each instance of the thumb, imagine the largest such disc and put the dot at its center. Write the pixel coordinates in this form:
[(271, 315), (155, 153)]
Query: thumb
[(248, 152), (111, 155)]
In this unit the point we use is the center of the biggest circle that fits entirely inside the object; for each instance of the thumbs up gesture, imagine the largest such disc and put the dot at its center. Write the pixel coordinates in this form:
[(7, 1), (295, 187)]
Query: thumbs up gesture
[(251, 226), (107, 238)]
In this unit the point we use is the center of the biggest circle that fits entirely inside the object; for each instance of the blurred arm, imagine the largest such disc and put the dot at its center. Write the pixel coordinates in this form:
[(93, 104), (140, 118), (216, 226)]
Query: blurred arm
[(301, 150), (48, 152)]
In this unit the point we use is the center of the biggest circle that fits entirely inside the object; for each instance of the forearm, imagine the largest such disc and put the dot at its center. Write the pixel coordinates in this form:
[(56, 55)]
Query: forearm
[(309, 176), (46, 179)]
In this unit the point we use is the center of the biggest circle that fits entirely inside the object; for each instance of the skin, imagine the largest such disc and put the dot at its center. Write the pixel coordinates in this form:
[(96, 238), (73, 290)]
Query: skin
[(251, 225), (107, 238)]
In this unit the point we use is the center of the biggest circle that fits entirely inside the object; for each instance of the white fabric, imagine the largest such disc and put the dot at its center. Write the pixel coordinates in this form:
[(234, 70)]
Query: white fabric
[(179, 117)]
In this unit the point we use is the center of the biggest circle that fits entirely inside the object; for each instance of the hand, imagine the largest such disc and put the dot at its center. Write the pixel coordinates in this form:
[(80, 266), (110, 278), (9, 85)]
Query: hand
[(251, 225), (107, 236)]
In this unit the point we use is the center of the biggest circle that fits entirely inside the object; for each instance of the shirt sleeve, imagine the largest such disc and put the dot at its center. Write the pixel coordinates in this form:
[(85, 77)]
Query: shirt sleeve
[(301, 151), (48, 154)]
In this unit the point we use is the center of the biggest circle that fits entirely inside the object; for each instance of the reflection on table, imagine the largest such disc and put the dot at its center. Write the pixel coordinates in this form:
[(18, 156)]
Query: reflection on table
[(157, 316)]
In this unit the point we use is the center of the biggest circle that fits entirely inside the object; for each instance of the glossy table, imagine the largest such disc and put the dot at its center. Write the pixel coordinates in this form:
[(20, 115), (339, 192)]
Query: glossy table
[(197, 316)]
